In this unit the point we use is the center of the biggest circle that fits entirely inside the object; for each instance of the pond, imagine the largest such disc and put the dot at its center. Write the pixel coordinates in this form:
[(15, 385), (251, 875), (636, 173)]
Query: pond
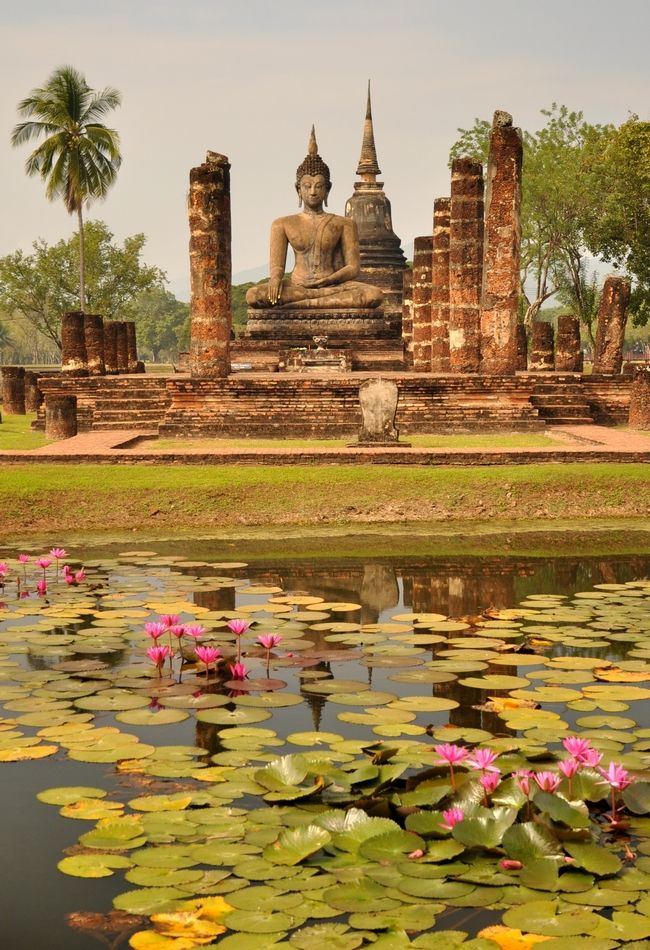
[(359, 786)]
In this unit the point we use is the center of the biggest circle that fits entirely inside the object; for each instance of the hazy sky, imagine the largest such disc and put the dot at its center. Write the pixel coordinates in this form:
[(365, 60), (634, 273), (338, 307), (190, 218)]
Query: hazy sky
[(248, 78)]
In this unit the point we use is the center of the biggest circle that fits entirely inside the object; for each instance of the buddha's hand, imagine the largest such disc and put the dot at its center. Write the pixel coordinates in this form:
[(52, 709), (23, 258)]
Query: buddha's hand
[(313, 283), (275, 290)]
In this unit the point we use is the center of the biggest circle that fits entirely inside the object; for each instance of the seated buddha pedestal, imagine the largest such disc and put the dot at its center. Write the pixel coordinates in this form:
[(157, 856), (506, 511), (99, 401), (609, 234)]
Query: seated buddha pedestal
[(298, 327)]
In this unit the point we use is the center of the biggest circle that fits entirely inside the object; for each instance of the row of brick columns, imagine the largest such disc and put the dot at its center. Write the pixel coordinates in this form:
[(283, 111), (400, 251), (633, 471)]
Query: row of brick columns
[(91, 346), (461, 297)]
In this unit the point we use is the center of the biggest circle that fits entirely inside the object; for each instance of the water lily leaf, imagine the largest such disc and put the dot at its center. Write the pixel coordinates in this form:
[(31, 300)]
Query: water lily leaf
[(369, 698), (561, 810), (624, 926), (152, 717), (424, 704), (163, 877), (155, 803), (366, 895), (313, 738), (412, 917), (593, 858), (232, 717), (485, 831), (295, 844), (93, 865), (91, 809), (334, 936), (388, 846), (637, 797), (494, 681), (173, 856), (542, 917), (26, 754), (68, 794), (117, 834), (258, 921), (601, 897), (529, 841), (435, 888), (541, 874), (148, 900), (249, 941)]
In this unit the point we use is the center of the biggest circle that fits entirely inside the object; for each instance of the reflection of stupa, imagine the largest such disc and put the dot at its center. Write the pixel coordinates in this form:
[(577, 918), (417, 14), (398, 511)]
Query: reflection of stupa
[(382, 259)]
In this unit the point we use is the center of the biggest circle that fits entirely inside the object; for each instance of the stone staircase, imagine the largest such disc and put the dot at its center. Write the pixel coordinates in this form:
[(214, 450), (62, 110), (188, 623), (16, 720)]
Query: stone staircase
[(110, 402), (561, 401)]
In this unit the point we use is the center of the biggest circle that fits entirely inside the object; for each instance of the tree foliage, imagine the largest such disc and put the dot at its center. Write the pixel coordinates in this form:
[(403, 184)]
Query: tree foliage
[(79, 156), (162, 324), (585, 191), (42, 285)]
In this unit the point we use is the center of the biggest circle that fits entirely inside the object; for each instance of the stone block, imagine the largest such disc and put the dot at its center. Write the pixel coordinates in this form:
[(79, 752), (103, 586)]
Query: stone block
[(541, 355), (73, 344), (60, 416), (612, 317), (13, 390), (639, 416), (378, 401)]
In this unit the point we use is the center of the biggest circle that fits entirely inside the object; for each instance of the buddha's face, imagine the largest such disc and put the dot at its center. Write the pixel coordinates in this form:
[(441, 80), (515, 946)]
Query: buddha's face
[(313, 190)]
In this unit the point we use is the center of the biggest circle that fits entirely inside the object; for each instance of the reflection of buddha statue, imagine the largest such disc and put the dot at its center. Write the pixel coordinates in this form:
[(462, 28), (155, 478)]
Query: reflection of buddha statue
[(326, 247)]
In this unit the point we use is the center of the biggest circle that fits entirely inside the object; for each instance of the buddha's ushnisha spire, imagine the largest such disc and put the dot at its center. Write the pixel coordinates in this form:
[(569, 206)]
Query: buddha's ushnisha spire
[(368, 167), (313, 164), (312, 146)]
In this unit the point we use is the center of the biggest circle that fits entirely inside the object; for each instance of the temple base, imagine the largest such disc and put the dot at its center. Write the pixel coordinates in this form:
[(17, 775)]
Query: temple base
[(274, 323)]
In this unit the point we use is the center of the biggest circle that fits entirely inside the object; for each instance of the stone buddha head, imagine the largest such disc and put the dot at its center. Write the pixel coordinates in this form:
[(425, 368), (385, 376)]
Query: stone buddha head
[(313, 181)]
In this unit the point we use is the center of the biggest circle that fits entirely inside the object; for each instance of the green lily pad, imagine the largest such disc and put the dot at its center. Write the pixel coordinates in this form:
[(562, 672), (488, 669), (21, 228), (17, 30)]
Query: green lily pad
[(257, 921), (364, 896), (296, 844), (593, 858), (542, 917), (333, 936), (391, 845), (93, 865), (152, 717), (148, 900), (67, 795)]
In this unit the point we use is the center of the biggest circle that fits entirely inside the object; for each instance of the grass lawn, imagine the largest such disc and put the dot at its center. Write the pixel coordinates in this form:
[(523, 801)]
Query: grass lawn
[(175, 499), (498, 440), (15, 433)]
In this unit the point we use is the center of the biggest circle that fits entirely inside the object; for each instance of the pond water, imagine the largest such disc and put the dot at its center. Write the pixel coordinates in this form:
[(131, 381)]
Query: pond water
[(394, 654)]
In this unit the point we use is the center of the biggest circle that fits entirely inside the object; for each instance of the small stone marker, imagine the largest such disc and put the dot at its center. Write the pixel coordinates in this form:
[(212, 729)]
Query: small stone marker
[(639, 417), (378, 400), (60, 416)]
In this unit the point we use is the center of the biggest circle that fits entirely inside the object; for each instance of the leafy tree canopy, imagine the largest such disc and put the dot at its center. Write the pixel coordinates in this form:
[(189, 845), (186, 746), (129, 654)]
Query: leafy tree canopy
[(43, 285), (162, 323)]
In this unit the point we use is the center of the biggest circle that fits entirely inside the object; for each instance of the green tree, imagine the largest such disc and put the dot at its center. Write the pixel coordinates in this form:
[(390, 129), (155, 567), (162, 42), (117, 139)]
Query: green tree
[(79, 156), (162, 323), (239, 305), (42, 285)]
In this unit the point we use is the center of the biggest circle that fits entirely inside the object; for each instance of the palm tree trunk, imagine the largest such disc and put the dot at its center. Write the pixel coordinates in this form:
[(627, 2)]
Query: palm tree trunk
[(82, 274)]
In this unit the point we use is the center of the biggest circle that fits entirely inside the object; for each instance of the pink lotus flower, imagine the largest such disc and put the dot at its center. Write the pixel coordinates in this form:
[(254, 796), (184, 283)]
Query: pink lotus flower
[(177, 630), (238, 626), (269, 640), (44, 562), (489, 781), (67, 569), (523, 777), (24, 558), (509, 865), (194, 630), (452, 816), (3, 569), (451, 754), (576, 747), (58, 553), (158, 655), (155, 630), (547, 781), (413, 855), (207, 655), (483, 759), (238, 671), (41, 587), (69, 579), (591, 758), (616, 776), (569, 767), (80, 576), (169, 619)]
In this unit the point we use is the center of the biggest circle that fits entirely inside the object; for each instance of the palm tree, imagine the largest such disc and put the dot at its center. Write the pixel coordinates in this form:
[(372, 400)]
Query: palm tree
[(79, 156)]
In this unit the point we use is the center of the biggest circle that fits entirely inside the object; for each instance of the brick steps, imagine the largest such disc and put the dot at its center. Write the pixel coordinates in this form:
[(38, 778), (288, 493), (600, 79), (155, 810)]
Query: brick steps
[(561, 401)]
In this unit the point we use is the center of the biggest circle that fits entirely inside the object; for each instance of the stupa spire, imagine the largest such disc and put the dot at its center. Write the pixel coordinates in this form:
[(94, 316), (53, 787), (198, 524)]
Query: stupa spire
[(368, 166)]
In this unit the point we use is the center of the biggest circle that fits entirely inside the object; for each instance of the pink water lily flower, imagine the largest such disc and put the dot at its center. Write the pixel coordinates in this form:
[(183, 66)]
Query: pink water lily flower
[(44, 562), (158, 655), (591, 758), (616, 776), (207, 656), (483, 759), (576, 747), (569, 767), (69, 579), (238, 627), (452, 755), (58, 553), (489, 781), (269, 640), (3, 569), (523, 777), (547, 781), (155, 630), (177, 630), (24, 558), (41, 587), (508, 864), (80, 576), (194, 630), (170, 619), (452, 816), (238, 671)]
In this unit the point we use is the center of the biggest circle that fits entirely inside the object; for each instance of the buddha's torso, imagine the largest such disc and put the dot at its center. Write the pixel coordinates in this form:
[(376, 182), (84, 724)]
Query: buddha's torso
[(316, 242)]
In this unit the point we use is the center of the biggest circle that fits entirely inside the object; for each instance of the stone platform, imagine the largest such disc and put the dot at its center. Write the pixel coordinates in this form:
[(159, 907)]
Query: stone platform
[(274, 323), (288, 405)]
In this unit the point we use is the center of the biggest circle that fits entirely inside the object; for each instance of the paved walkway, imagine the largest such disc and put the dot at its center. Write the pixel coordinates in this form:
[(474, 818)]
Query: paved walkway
[(585, 443)]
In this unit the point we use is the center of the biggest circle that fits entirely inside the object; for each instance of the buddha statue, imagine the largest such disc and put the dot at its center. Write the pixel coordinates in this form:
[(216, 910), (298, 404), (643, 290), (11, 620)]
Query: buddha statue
[(326, 248)]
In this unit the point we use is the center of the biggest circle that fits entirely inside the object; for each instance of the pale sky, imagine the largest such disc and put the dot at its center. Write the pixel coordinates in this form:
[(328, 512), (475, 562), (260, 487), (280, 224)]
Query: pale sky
[(248, 78)]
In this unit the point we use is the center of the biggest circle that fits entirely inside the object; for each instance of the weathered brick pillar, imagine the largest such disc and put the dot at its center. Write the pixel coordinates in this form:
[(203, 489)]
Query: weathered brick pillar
[(121, 347), (131, 347), (522, 347), (612, 316), (13, 390), (541, 355), (422, 260), (639, 417), (110, 347), (440, 287), (501, 253), (407, 316), (210, 267), (568, 354), (33, 395), (465, 264), (73, 344), (94, 340), (60, 416)]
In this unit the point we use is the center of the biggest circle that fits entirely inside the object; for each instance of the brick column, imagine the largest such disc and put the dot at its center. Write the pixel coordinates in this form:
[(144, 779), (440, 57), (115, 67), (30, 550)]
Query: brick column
[(33, 395), (422, 260), (465, 264), (210, 267), (73, 344), (60, 416), (440, 287), (612, 316), (501, 254), (639, 417), (94, 340), (13, 390), (541, 356), (110, 347), (568, 354), (407, 316), (522, 347), (131, 347), (121, 347)]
